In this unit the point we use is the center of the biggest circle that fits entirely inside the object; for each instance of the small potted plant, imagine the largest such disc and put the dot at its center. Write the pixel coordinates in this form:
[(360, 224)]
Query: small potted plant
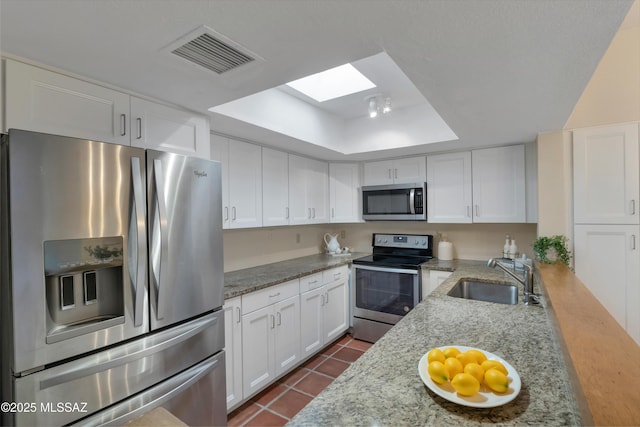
[(552, 250)]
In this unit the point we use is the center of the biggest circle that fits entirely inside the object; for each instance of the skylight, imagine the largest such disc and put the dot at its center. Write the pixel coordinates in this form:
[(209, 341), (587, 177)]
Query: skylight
[(334, 83)]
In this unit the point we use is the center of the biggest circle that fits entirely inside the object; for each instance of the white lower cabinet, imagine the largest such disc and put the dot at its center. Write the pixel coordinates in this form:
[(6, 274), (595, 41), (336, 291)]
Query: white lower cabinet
[(233, 348), (270, 334), (324, 301), (607, 260)]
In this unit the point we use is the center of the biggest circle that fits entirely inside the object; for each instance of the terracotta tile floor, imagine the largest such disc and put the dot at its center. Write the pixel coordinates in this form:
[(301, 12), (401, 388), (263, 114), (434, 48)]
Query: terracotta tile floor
[(276, 405)]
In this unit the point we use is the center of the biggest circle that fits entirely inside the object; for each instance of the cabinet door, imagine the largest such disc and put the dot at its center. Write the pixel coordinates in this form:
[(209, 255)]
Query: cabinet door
[(245, 184), (607, 260), (336, 309), (449, 188), (499, 184), (275, 187), (287, 334), (344, 192), (220, 153), (298, 211), (233, 349), (410, 169), (311, 326), (378, 173), (169, 129), (606, 175), (44, 101), (258, 350), (317, 190)]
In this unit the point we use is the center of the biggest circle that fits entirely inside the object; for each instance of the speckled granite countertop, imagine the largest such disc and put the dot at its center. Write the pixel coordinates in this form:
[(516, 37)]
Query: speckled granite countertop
[(252, 279), (383, 387)]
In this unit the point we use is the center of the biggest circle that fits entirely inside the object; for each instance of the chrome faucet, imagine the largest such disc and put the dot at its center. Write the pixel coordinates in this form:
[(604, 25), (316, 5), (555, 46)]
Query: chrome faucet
[(526, 281)]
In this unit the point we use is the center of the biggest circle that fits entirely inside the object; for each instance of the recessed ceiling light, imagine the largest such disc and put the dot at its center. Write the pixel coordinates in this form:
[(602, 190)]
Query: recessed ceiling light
[(334, 83)]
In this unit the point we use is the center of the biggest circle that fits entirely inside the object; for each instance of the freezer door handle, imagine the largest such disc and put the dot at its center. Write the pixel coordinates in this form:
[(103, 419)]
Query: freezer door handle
[(139, 255), (121, 413), (129, 353), (160, 257)]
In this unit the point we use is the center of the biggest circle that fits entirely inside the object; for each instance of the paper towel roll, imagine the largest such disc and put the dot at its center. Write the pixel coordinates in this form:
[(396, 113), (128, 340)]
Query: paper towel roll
[(445, 251)]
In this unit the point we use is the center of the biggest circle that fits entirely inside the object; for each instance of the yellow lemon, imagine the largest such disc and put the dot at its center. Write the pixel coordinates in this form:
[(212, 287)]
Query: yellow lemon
[(454, 366), (435, 354), (465, 384), (451, 352), (488, 364), (475, 370), (467, 357), (438, 372), (478, 354), (496, 380)]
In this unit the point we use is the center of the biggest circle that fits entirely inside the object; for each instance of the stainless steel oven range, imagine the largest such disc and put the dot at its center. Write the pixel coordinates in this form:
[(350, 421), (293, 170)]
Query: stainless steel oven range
[(387, 283)]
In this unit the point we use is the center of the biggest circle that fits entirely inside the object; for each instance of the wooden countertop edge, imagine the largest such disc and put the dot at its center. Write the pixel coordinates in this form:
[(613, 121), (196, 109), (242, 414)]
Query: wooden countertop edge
[(606, 360)]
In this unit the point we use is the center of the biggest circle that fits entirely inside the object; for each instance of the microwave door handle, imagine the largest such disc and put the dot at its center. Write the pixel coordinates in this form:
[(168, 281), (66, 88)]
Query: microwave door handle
[(412, 201), (160, 275), (138, 277)]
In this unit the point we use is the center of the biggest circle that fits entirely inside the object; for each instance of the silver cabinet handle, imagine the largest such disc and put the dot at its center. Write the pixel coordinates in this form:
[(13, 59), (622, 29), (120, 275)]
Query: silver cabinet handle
[(239, 314), (123, 124), (287, 212), (321, 300), (139, 123), (279, 318), (633, 242), (309, 213), (633, 207), (326, 298), (161, 208), (226, 213), (138, 279), (274, 295), (314, 212), (476, 208), (233, 213), (273, 321), (395, 173), (389, 172), (333, 212)]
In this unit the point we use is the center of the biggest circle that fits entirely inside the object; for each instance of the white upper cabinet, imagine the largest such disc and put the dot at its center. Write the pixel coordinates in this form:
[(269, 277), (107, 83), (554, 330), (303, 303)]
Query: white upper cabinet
[(499, 190), (449, 188), (606, 175), (241, 181), (397, 171), (308, 191), (275, 187), (168, 129), (344, 192), (43, 101)]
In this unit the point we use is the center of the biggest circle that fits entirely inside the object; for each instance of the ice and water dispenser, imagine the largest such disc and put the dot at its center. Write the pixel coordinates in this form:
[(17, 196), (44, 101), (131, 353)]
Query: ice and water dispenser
[(84, 286)]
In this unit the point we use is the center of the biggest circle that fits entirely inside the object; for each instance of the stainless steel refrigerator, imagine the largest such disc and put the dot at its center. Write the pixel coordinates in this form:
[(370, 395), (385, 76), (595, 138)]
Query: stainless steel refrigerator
[(111, 287)]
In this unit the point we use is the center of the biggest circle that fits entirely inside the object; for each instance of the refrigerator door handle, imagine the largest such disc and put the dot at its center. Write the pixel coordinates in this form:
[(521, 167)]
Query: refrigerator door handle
[(140, 262), (127, 354), (161, 286), (121, 413)]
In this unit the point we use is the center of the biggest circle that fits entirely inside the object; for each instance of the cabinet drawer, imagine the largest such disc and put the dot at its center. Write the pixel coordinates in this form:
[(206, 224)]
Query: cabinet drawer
[(264, 297), (311, 281), (335, 274)]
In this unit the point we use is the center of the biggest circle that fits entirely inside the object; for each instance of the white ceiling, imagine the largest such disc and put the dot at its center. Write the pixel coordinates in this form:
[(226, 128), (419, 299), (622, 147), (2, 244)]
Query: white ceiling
[(497, 71)]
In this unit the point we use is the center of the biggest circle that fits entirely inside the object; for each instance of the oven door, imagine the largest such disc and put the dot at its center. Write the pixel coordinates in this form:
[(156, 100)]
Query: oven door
[(384, 294)]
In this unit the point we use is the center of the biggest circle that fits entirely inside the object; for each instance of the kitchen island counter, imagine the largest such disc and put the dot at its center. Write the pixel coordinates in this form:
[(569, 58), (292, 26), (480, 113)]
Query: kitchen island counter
[(384, 388)]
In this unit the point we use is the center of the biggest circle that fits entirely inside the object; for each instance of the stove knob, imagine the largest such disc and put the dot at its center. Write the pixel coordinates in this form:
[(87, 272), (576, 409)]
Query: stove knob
[(417, 242), (424, 243)]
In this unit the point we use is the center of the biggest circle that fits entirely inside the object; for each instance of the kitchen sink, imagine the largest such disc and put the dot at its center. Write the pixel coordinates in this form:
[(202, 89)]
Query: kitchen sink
[(485, 291)]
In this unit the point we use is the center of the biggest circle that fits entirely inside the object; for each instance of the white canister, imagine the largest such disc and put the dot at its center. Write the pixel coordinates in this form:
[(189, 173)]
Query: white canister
[(445, 251)]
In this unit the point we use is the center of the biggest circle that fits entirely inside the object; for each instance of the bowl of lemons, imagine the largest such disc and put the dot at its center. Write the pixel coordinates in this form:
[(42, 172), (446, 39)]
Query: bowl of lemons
[(469, 376)]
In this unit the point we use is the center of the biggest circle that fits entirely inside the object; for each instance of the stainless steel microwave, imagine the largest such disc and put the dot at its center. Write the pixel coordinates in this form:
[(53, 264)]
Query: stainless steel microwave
[(396, 202)]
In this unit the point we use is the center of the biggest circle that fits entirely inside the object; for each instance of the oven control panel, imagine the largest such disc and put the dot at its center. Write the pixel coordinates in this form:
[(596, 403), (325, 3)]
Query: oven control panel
[(409, 241)]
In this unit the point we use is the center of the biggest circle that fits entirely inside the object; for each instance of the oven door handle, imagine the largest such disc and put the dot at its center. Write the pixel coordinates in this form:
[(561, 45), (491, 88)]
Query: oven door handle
[(385, 269)]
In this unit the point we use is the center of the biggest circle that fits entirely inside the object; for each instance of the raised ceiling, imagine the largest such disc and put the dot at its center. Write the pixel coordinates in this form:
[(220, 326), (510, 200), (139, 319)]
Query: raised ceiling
[(496, 71)]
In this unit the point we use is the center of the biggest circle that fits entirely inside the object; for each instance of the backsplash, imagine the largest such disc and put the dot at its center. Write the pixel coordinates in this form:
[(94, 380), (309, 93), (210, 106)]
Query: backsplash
[(250, 247)]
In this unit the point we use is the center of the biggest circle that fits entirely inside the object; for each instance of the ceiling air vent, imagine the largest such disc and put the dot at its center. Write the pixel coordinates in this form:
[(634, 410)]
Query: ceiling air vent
[(213, 51)]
